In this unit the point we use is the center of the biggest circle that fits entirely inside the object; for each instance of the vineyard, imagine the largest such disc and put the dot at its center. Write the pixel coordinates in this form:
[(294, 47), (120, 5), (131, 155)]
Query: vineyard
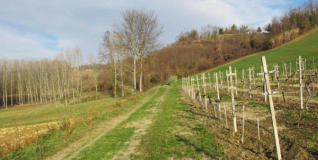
[(266, 113)]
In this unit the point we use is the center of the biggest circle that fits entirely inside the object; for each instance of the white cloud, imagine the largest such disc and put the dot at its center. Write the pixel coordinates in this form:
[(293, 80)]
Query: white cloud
[(82, 23)]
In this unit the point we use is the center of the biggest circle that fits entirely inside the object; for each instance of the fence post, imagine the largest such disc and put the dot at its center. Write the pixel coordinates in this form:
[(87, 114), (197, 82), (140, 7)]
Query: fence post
[(300, 83), (204, 86), (218, 96), (270, 99), (233, 101)]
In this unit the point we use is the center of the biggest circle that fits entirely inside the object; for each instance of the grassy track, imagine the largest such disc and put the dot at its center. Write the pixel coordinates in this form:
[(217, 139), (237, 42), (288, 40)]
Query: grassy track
[(109, 144), (177, 134)]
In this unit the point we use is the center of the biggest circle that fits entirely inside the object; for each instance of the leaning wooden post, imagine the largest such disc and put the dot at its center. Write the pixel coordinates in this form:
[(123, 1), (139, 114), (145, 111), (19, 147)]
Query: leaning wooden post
[(233, 101), (218, 96), (204, 86), (300, 83), (198, 85), (271, 103)]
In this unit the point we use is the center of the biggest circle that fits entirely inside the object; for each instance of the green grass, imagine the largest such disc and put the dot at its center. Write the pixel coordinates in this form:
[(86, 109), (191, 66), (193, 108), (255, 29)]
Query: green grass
[(48, 113), (162, 140), (51, 143)]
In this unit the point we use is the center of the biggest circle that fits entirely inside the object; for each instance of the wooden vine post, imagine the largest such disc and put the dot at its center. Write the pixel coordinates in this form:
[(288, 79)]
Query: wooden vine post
[(290, 68), (283, 71), (221, 79), (227, 81), (236, 81), (285, 68), (232, 88), (192, 88), (243, 124), (215, 75), (210, 83), (189, 87), (225, 116), (253, 75), (300, 83), (264, 85), (243, 78), (218, 96), (204, 91), (277, 74), (198, 85), (250, 82), (271, 103), (259, 137)]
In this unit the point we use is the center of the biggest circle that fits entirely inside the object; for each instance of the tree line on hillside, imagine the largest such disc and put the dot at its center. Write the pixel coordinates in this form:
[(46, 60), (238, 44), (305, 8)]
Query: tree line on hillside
[(195, 51)]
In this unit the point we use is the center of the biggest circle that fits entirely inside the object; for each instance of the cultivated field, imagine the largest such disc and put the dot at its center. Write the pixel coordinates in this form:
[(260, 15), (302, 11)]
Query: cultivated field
[(234, 101)]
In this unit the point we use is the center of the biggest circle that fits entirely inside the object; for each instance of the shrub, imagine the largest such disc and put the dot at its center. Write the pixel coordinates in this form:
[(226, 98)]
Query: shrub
[(172, 79)]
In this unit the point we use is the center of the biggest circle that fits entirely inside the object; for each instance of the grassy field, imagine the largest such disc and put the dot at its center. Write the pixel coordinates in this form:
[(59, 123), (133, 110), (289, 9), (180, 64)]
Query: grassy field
[(74, 121), (35, 114), (305, 46)]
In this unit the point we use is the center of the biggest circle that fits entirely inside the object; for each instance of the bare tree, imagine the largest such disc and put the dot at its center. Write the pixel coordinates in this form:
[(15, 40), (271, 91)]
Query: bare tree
[(138, 33), (93, 63)]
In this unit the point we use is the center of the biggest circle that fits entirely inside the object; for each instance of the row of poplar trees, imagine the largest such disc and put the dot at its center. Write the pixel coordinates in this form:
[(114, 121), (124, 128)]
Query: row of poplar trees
[(38, 81)]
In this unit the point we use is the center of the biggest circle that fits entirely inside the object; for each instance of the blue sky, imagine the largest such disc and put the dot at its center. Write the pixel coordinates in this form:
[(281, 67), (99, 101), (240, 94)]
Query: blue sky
[(34, 29)]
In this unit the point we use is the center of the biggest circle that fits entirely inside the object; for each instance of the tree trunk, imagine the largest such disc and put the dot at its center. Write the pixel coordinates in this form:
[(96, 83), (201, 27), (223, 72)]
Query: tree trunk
[(122, 81), (134, 72), (140, 80), (115, 79)]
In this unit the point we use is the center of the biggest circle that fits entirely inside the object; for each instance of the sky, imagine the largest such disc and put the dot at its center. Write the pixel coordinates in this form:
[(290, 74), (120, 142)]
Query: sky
[(36, 29)]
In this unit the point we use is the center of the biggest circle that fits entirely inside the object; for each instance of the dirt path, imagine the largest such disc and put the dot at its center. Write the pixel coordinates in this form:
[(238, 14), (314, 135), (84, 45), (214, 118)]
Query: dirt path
[(73, 149), (142, 126)]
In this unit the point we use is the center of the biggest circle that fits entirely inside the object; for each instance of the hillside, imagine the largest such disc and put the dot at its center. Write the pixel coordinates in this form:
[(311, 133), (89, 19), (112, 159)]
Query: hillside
[(293, 103), (305, 46)]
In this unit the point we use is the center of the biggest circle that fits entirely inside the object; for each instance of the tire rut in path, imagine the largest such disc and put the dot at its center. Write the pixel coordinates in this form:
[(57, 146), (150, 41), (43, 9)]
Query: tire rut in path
[(142, 125), (76, 147)]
